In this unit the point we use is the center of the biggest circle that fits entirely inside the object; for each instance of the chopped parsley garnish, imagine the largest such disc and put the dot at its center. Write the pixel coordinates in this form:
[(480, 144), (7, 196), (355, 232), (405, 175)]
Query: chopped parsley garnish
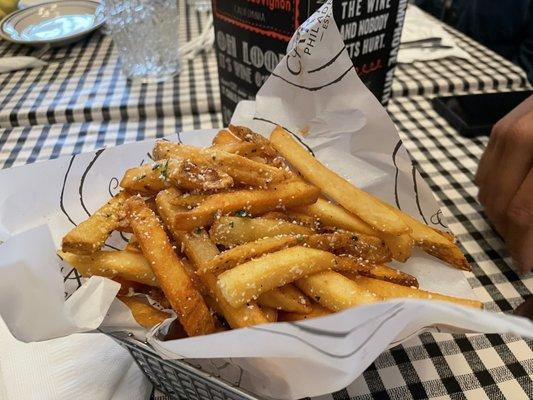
[(300, 238), (232, 224), (242, 214), (164, 170)]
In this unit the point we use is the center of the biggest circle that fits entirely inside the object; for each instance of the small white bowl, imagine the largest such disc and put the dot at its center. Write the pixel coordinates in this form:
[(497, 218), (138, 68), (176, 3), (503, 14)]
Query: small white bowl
[(53, 23)]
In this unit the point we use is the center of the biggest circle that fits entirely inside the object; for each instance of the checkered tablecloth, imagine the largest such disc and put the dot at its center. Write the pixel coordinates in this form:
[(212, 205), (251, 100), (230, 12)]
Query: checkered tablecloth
[(486, 71), (85, 103), (87, 83)]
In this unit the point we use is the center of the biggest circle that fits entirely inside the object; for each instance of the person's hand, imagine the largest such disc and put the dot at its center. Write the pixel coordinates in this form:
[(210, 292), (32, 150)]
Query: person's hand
[(505, 180)]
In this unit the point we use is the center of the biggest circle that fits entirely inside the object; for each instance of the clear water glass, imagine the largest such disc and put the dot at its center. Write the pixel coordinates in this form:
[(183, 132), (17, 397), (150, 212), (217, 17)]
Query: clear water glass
[(145, 33), (200, 5)]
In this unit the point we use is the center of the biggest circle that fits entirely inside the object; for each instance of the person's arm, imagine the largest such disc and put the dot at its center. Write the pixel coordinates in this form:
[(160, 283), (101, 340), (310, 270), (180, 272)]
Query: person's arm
[(505, 180)]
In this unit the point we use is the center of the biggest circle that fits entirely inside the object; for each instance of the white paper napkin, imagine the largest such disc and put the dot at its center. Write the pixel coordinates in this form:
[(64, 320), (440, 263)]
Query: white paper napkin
[(417, 27), (9, 64), (41, 355), (80, 366)]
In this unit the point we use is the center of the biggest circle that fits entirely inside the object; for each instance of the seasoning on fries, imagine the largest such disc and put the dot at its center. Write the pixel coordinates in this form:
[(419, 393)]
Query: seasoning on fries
[(250, 231)]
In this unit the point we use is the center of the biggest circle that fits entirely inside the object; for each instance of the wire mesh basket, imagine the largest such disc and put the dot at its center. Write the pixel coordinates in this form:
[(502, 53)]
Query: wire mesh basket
[(176, 378)]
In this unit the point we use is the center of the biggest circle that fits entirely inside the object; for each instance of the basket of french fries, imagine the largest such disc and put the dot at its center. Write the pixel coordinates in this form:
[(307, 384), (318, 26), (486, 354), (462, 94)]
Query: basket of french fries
[(277, 257)]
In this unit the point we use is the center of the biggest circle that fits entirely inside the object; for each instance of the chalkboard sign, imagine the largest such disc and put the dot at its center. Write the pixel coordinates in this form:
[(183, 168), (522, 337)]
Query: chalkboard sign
[(251, 37)]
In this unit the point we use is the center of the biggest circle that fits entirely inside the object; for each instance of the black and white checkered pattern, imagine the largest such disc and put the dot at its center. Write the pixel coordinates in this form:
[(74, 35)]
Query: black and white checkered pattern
[(85, 103), (88, 85), (485, 72), (438, 365)]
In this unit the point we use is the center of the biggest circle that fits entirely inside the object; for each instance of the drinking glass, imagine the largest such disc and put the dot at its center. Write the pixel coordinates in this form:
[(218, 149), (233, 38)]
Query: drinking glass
[(145, 33)]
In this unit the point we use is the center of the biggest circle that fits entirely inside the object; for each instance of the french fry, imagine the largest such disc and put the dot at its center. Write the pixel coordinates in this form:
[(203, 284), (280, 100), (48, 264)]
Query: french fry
[(186, 200), (224, 137), (248, 135), (180, 291), (271, 314), (365, 248), (334, 291), (249, 280), (316, 311), (243, 170), (276, 215), (146, 179), (447, 235), (255, 201), (334, 215), (355, 200), (200, 250), (286, 298), (151, 178), (331, 214), (243, 149), (146, 315), (364, 251), (435, 243), (245, 252), (388, 290), (133, 245), (400, 246), (129, 287), (111, 264), (234, 231), (381, 272), (91, 234)]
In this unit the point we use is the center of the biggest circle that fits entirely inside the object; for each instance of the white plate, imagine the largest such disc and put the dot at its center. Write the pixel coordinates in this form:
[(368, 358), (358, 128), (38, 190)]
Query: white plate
[(53, 24)]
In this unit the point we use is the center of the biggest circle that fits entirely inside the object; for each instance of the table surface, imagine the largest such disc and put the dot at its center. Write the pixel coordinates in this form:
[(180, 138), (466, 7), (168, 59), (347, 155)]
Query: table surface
[(84, 103)]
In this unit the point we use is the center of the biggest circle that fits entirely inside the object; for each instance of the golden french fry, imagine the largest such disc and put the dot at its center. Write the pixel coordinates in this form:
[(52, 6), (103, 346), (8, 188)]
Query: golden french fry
[(243, 149), (400, 246), (250, 202), (147, 178), (173, 279), (247, 135), (271, 314), (184, 174), (381, 272), (245, 252), (124, 264), (128, 287), (334, 215), (234, 231), (334, 291), (435, 243), (146, 315), (276, 215), (91, 234), (367, 207), (330, 214), (286, 298), (295, 217), (243, 170), (249, 280), (224, 137), (185, 200), (316, 311), (200, 250), (447, 235), (133, 245), (388, 290), (364, 248)]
